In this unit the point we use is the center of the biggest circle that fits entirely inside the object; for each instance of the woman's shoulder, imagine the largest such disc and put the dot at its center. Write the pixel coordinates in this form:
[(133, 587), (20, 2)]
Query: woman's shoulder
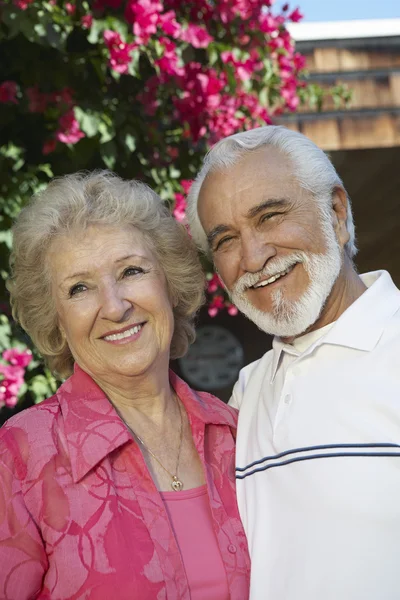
[(207, 407), (34, 424), (220, 406)]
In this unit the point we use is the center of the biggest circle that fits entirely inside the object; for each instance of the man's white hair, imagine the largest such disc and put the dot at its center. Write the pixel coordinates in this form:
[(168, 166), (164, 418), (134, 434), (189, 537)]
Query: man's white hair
[(312, 169)]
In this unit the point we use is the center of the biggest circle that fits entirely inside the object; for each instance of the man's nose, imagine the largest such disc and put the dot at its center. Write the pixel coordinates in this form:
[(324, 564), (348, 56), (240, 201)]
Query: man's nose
[(256, 252), (113, 304)]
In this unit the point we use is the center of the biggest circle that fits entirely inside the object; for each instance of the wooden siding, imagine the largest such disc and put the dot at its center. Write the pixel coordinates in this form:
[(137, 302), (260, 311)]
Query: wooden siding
[(371, 69)]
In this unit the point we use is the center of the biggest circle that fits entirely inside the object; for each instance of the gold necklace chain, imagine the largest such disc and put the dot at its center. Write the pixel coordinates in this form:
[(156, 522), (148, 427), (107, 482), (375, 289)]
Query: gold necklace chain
[(176, 483)]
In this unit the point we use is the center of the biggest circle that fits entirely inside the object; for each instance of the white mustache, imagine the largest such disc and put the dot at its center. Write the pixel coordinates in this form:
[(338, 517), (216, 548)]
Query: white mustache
[(274, 268)]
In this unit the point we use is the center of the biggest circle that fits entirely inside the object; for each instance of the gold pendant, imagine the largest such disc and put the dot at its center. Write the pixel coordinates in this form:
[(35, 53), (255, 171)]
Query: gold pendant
[(176, 484)]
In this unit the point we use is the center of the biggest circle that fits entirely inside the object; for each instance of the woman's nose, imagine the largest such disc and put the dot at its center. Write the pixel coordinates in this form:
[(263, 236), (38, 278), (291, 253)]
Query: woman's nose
[(113, 304)]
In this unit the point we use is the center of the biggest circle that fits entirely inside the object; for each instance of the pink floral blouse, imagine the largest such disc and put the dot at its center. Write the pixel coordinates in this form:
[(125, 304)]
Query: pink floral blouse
[(80, 516)]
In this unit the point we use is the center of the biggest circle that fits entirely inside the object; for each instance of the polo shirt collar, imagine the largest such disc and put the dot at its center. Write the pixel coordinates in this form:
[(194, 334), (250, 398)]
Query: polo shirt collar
[(361, 325), (93, 428)]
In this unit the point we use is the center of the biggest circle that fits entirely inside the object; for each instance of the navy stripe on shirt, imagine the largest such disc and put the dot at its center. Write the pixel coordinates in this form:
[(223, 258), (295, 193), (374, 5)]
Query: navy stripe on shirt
[(309, 454)]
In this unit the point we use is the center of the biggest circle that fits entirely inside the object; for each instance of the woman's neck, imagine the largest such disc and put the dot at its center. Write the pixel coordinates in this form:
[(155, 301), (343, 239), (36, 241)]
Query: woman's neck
[(147, 394)]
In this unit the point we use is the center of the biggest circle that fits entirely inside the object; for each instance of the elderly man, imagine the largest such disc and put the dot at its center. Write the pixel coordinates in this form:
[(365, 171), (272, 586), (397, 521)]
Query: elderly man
[(318, 454)]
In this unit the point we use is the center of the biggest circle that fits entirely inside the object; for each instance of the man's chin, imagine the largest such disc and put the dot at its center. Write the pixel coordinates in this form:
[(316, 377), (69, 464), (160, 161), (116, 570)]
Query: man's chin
[(288, 326)]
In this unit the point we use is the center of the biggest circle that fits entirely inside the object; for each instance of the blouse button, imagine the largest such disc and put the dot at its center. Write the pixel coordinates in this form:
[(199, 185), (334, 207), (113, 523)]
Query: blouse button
[(232, 549)]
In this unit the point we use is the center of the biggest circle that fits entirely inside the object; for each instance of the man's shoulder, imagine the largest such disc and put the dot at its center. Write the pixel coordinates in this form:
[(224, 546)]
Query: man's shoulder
[(252, 372), (255, 367)]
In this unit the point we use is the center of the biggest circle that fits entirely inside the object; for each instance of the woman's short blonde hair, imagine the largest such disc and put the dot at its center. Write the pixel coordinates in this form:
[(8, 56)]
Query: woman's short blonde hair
[(72, 203)]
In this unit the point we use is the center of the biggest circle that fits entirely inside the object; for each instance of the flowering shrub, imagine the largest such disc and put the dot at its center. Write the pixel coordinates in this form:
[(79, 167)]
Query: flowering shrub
[(142, 87), (13, 372)]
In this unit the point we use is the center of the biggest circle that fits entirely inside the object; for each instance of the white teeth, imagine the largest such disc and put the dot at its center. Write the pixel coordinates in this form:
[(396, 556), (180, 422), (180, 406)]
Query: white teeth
[(120, 336), (272, 279)]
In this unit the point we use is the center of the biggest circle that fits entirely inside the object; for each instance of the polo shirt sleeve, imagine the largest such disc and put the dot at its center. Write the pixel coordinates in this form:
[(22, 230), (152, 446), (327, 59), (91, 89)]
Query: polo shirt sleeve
[(22, 555), (238, 390)]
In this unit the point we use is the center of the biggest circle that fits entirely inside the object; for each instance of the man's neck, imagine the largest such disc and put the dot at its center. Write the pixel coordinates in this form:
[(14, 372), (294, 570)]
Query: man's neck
[(346, 290)]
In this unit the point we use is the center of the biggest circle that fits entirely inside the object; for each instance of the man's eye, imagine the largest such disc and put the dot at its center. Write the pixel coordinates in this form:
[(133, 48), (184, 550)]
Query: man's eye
[(268, 216), (77, 289), (130, 271), (223, 241)]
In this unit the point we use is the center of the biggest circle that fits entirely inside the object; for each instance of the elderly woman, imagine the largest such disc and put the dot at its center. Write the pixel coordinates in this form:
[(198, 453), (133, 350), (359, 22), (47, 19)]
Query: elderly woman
[(122, 484)]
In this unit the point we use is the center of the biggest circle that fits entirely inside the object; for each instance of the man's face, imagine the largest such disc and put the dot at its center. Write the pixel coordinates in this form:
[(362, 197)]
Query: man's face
[(276, 254)]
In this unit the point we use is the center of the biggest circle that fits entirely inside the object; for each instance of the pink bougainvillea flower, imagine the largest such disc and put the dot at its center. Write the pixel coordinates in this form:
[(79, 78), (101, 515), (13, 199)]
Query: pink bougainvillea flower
[(232, 310), (120, 51), (69, 131), (173, 152), (8, 92), (217, 303), (169, 63), (295, 16), (63, 98), (102, 4), (243, 69), (299, 61), (13, 378), (70, 8), (214, 284), (37, 101), (87, 21), (144, 16), (268, 23), (168, 23), (197, 36), (10, 384), (186, 184), (22, 4), (13, 373), (49, 146), (16, 357), (179, 210)]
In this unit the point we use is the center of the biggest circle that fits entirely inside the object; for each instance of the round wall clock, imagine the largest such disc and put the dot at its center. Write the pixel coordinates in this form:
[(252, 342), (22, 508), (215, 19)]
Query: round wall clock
[(214, 360)]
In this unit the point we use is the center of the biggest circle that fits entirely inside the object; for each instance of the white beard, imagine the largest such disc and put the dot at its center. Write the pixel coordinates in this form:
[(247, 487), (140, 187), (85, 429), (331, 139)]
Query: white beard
[(290, 318)]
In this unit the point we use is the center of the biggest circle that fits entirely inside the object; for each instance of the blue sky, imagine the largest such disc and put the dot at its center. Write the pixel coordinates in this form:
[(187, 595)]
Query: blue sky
[(341, 10)]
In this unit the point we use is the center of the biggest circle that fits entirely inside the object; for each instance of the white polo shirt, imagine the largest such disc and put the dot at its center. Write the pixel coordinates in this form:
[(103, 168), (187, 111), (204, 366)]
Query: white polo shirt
[(318, 457)]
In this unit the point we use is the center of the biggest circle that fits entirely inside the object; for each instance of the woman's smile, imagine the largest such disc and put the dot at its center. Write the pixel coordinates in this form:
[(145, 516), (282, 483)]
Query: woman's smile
[(126, 335)]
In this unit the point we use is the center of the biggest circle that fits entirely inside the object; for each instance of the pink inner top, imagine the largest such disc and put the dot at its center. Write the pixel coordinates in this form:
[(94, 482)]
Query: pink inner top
[(191, 519)]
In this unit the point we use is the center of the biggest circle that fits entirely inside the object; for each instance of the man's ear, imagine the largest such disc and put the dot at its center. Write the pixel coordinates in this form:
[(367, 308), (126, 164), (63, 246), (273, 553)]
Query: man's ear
[(339, 213)]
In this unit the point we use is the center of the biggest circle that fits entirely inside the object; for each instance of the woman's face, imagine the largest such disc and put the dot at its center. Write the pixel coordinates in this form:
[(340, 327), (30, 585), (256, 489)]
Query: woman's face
[(112, 302)]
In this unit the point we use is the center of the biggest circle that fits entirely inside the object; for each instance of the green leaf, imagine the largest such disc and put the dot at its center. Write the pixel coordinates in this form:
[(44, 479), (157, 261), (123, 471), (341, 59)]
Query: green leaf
[(130, 142), (5, 333), (46, 169), (40, 388), (174, 173), (109, 154), (88, 121), (107, 132), (96, 31), (6, 238), (39, 29)]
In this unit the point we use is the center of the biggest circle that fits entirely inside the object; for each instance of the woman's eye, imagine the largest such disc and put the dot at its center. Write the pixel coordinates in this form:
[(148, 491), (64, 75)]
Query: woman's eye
[(77, 289), (132, 271)]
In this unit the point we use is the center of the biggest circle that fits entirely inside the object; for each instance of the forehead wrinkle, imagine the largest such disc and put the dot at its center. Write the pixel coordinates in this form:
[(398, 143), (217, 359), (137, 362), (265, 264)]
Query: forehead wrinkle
[(117, 261)]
